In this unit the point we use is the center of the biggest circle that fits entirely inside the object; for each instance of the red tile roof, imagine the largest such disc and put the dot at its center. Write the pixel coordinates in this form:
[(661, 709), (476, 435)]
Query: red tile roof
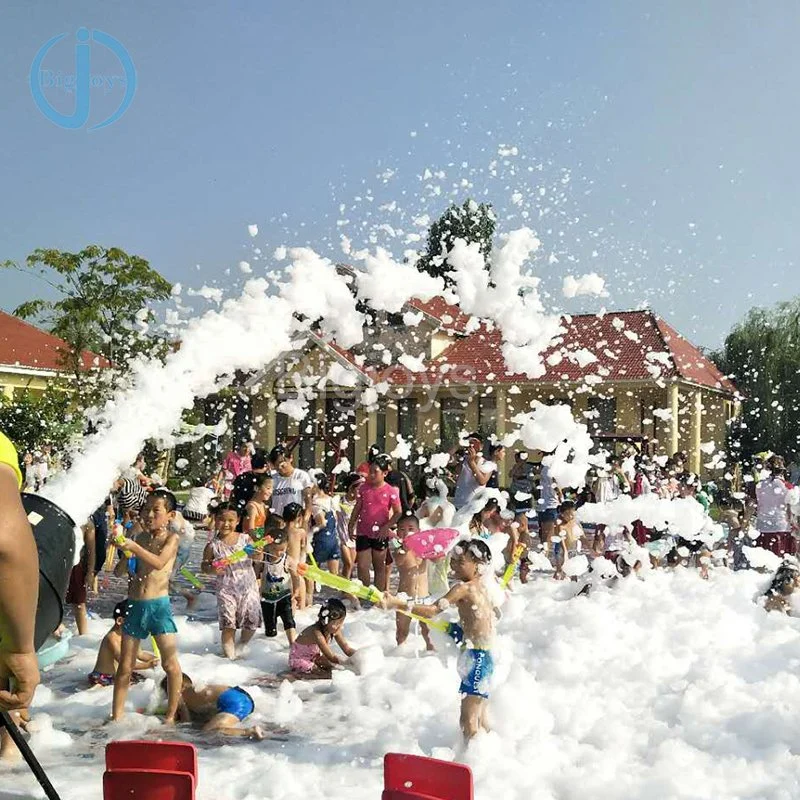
[(451, 317), (24, 345), (621, 342)]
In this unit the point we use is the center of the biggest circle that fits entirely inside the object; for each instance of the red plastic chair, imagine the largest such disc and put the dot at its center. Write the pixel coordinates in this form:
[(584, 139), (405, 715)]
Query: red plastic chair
[(147, 784), (408, 777), (164, 756)]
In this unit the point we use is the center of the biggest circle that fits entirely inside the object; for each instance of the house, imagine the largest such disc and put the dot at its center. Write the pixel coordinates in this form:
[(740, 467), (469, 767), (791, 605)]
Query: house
[(628, 375), (31, 358)]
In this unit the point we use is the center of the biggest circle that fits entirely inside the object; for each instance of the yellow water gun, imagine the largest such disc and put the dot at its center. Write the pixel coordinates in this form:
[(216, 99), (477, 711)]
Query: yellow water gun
[(512, 565)]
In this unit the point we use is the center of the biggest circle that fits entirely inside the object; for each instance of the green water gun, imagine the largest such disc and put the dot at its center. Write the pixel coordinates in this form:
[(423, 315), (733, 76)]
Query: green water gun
[(191, 577), (355, 588), (512, 565)]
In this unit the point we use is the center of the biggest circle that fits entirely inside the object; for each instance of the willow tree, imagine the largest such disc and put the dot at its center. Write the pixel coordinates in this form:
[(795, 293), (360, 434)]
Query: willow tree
[(762, 355)]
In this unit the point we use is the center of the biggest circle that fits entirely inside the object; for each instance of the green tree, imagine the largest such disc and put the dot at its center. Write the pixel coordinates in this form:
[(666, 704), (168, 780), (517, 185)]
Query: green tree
[(471, 221), (762, 355), (102, 298), (32, 419)]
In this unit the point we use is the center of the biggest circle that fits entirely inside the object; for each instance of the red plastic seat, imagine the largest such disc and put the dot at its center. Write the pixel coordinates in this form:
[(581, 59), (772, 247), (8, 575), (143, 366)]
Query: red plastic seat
[(407, 777), (165, 756), (147, 784)]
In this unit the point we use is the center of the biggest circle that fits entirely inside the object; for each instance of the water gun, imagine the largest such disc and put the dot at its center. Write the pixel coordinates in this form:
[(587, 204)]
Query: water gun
[(512, 565), (191, 577), (452, 629), (355, 588), (119, 536), (241, 555), (156, 651), (373, 595)]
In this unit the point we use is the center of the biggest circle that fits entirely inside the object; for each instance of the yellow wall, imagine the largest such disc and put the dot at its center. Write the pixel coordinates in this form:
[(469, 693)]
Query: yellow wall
[(9, 381)]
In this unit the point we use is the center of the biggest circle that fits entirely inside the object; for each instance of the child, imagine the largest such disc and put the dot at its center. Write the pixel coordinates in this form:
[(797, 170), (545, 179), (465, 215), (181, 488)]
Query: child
[(413, 579), (325, 541), (149, 613), (185, 531), (276, 587), (297, 545), (257, 510), (217, 708), (311, 657), (81, 578), (375, 514), (568, 537), (470, 560), (347, 503), (783, 586), (108, 656), (237, 589)]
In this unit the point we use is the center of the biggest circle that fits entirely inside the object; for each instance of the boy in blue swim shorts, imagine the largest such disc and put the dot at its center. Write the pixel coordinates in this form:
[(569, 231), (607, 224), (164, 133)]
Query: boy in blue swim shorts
[(153, 554), (217, 708), (470, 561)]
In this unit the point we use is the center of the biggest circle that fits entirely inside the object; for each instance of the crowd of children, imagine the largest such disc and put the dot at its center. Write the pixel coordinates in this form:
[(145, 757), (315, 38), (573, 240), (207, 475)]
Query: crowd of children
[(273, 518)]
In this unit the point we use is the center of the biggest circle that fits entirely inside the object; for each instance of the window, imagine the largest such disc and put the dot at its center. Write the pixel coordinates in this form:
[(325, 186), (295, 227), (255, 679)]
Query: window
[(407, 419), (487, 414), (380, 435), (453, 421), (281, 427), (340, 424), (603, 418), (308, 437)]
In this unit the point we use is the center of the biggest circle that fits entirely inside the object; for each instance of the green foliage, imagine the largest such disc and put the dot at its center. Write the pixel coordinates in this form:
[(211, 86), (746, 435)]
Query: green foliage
[(102, 294), (473, 222), (35, 418), (762, 354)]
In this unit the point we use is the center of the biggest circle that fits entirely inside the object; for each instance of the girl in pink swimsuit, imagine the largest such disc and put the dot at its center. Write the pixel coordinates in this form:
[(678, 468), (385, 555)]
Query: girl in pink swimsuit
[(311, 656)]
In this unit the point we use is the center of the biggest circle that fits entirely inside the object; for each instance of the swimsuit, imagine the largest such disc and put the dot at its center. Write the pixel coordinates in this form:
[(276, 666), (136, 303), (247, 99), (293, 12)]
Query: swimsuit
[(235, 701), (326, 541), (100, 679), (149, 618), (238, 602), (475, 668), (303, 657)]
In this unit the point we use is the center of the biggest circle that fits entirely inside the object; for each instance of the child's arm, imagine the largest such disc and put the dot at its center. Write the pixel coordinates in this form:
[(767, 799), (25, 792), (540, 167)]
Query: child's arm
[(154, 560), (342, 642), (121, 568), (248, 523), (427, 609), (207, 565), (90, 540), (351, 524), (325, 648), (146, 660), (397, 511)]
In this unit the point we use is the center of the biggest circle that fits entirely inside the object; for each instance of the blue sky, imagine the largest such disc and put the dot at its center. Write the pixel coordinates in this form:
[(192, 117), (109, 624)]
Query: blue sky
[(656, 142)]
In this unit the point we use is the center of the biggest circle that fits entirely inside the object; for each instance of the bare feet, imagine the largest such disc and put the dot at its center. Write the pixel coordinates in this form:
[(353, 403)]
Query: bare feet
[(257, 733)]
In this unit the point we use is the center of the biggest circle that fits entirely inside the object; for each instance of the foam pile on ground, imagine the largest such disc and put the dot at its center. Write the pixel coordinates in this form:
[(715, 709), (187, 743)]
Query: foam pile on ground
[(666, 688)]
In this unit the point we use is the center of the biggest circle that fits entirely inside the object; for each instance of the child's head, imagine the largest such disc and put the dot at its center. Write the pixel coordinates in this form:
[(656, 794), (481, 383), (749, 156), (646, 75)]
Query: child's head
[(281, 460), (408, 523), (786, 579), (159, 509), (567, 511), (226, 517), (186, 682), (378, 469), (293, 514), (331, 616), (323, 482), (121, 611), (263, 486), (470, 557), (354, 480)]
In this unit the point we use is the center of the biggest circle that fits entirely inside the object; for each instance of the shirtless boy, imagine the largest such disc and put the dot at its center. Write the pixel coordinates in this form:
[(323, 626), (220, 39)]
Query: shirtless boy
[(470, 560), (413, 578), (108, 655), (150, 614), (217, 708)]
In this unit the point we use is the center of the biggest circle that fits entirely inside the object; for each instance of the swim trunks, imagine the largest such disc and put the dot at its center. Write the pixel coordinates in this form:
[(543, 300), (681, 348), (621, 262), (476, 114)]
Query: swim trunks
[(236, 701), (475, 668), (100, 679), (149, 618)]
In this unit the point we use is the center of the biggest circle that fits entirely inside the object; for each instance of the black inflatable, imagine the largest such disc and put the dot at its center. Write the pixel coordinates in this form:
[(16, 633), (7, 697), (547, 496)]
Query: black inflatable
[(54, 532)]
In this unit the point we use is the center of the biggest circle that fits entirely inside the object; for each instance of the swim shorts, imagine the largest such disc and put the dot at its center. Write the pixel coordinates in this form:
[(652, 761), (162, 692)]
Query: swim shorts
[(370, 543), (326, 547), (272, 610), (149, 618), (236, 701), (476, 668), (100, 679), (547, 515)]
